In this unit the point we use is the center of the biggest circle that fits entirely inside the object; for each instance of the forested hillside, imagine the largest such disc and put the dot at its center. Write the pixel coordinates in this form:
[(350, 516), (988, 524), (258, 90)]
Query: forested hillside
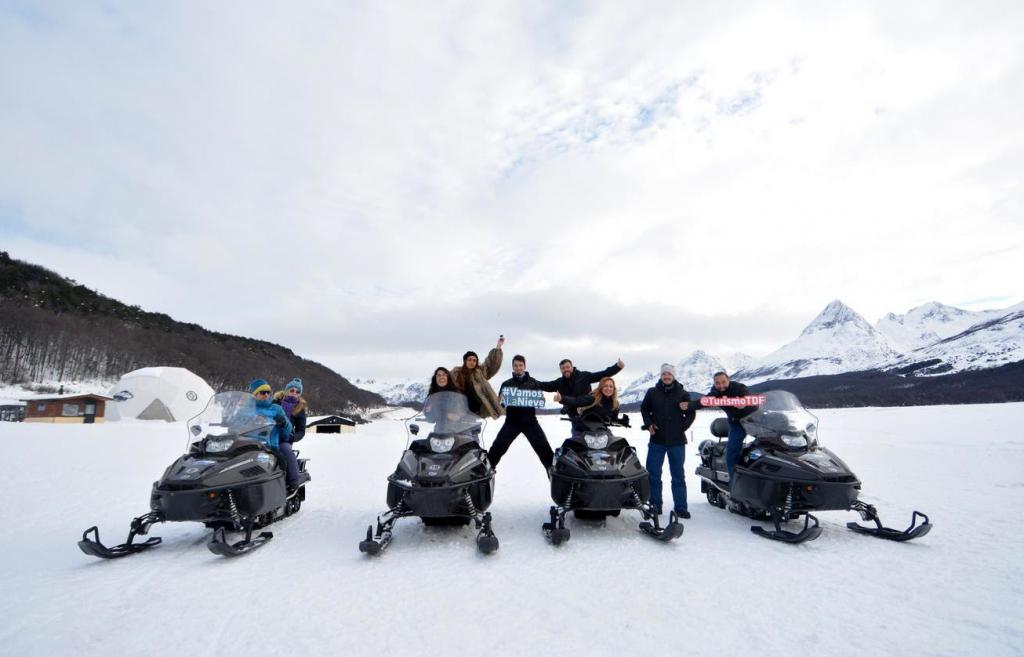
[(54, 329)]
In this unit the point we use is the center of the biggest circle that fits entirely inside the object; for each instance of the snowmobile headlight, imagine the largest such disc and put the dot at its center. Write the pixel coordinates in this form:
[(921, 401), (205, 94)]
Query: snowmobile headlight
[(795, 441), (442, 444), (596, 441), (215, 446)]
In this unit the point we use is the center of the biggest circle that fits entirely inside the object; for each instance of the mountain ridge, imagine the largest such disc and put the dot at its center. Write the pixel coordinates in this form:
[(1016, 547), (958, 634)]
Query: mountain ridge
[(52, 328)]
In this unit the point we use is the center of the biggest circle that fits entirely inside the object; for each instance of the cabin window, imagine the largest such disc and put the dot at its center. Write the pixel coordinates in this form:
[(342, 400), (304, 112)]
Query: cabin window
[(70, 410), (40, 407)]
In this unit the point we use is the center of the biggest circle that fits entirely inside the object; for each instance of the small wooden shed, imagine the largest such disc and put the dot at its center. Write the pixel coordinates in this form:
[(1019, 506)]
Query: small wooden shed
[(12, 410), (330, 424), (66, 409)]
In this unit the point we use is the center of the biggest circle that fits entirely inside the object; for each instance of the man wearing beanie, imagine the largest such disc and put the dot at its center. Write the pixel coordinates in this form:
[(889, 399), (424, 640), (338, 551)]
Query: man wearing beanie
[(294, 405), (471, 378), (667, 414)]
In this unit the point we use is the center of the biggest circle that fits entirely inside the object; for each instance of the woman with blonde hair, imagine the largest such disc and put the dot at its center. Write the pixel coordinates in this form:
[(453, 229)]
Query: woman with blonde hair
[(604, 401)]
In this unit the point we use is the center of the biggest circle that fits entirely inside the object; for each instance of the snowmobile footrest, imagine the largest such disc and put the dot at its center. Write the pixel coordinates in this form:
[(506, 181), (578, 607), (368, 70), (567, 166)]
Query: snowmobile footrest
[(93, 546), (808, 533), (910, 533), (218, 544)]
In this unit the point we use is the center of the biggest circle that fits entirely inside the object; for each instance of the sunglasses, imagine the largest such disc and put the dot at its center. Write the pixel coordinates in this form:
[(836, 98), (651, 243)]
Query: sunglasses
[(263, 392), (293, 391)]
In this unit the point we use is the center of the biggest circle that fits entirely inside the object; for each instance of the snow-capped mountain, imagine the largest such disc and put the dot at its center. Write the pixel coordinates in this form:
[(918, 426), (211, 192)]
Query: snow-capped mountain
[(396, 392), (930, 323), (990, 343), (837, 340), (694, 372)]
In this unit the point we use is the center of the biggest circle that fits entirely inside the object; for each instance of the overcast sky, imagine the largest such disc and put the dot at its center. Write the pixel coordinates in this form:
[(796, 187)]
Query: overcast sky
[(380, 186)]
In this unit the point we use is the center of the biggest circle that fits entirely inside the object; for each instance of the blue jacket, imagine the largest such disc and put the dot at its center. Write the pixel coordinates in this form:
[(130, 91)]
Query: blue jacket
[(282, 426)]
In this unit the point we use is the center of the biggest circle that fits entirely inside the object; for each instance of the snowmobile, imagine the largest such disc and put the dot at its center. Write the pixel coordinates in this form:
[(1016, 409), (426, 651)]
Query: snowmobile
[(229, 480), (445, 479), (785, 475), (596, 474)]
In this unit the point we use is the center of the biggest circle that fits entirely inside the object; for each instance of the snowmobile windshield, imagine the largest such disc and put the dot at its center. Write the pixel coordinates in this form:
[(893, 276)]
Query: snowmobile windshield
[(230, 414), (445, 415), (783, 416)]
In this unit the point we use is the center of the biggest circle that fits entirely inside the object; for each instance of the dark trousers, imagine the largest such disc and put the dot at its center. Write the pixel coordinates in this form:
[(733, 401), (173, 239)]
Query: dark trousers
[(291, 464), (511, 430), (734, 447), (656, 461)]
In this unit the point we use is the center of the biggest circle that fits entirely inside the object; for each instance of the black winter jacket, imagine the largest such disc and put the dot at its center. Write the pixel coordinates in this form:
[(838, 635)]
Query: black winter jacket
[(661, 409), (520, 414), (603, 410), (734, 390), (577, 384)]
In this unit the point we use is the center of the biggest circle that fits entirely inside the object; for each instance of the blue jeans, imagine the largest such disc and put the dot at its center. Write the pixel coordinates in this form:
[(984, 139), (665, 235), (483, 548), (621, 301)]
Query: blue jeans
[(735, 447), (656, 461), (291, 464)]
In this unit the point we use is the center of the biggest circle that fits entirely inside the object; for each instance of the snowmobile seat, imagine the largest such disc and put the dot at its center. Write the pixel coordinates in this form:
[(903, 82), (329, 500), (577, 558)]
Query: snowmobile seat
[(720, 427)]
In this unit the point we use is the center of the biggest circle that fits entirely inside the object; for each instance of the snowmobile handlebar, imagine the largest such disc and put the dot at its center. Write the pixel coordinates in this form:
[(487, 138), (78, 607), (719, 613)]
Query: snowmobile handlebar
[(621, 421)]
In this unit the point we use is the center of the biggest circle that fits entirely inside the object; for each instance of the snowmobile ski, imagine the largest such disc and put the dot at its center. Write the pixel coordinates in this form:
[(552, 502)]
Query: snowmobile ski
[(808, 533), (94, 547), (670, 532), (879, 531), (218, 543)]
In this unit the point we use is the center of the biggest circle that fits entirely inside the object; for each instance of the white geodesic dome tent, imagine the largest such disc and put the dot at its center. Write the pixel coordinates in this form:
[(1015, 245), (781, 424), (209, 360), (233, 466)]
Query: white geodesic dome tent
[(172, 394)]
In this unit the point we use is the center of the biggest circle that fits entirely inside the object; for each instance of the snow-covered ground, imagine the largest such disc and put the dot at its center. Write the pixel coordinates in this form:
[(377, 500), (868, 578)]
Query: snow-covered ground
[(719, 590)]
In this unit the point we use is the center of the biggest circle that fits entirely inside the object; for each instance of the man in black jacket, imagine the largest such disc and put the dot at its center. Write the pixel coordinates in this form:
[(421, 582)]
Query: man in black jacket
[(574, 382), (520, 419), (723, 387), (667, 414)]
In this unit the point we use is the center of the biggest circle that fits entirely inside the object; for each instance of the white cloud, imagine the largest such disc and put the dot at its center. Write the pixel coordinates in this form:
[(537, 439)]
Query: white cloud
[(321, 176)]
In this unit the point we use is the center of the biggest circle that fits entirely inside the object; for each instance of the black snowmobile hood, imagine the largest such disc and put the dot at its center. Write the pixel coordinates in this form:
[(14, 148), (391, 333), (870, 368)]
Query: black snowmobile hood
[(813, 464), (422, 467), (616, 460), (236, 468)]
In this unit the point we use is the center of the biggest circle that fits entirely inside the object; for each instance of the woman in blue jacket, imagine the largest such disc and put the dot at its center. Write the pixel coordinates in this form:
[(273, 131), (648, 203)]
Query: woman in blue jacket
[(280, 436)]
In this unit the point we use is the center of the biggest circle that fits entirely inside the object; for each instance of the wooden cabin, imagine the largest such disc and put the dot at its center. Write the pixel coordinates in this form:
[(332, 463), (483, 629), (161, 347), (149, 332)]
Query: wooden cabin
[(66, 409), (330, 424)]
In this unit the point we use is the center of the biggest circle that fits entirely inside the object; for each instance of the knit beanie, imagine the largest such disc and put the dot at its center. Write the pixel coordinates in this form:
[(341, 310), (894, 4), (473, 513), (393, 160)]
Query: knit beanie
[(257, 385)]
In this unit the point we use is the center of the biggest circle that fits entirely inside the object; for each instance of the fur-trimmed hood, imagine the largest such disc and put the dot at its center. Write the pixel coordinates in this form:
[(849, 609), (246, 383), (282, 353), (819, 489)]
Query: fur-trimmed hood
[(299, 408)]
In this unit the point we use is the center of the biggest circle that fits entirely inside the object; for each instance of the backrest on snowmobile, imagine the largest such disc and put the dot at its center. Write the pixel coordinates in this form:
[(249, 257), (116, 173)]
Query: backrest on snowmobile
[(720, 427)]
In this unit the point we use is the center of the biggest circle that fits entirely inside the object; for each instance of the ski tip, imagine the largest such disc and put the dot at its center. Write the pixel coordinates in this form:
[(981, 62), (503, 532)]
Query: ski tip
[(487, 544), (369, 547)]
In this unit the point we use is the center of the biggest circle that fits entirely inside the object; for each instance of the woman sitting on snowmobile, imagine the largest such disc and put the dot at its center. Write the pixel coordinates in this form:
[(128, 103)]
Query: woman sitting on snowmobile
[(602, 402), (294, 404), (280, 437), (442, 409)]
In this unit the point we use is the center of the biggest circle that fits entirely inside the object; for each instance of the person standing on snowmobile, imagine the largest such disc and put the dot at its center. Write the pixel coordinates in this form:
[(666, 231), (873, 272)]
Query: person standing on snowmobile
[(471, 379), (603, 402), (723, 387), (667, 422), (521, 419), (291, 400), (281, 434), (574, 382)]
